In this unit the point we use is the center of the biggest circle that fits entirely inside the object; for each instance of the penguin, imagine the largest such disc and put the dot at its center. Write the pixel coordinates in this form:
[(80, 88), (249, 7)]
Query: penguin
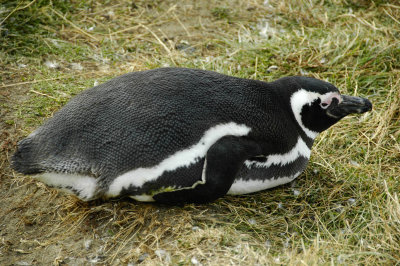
[(179, 135)]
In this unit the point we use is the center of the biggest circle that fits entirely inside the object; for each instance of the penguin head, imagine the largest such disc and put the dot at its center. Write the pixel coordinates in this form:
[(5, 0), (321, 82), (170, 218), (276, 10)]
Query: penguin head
[(317, 104)]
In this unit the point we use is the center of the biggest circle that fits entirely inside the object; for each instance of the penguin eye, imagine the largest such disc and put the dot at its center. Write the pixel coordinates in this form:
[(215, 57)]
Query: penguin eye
[(324, 105), (329, 100)]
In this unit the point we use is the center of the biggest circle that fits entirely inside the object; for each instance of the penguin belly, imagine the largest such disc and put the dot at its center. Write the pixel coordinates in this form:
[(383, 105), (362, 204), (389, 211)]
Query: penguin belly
[(264, 172)]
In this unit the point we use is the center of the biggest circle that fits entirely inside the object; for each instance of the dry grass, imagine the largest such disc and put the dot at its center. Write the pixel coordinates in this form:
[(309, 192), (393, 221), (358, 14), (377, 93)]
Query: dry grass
[(348, 208)]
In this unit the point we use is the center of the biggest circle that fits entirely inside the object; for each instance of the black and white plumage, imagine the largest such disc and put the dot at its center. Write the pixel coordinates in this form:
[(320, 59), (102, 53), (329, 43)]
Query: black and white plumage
[(182, 135)]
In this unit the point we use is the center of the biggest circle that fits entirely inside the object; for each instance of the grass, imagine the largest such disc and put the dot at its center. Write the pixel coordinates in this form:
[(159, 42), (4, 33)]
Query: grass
[(345, 209)]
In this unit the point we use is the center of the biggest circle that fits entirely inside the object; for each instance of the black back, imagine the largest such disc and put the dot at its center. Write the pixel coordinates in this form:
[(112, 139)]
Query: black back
[(138, 119)]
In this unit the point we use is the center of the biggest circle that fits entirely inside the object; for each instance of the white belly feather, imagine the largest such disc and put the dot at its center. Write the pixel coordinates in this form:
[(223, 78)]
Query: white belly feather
[(241, 186), (83, 186), (244, 186)]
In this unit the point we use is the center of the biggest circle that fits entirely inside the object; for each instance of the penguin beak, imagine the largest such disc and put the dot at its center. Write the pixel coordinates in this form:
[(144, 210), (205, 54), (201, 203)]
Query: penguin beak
[(350, 105)]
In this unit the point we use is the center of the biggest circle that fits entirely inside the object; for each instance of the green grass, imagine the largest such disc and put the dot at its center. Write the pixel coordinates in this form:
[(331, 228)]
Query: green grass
[(347, 211)]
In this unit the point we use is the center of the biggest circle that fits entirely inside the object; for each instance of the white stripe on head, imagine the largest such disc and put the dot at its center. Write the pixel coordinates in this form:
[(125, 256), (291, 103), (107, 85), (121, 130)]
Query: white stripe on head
[(183, 158), (297, 101)]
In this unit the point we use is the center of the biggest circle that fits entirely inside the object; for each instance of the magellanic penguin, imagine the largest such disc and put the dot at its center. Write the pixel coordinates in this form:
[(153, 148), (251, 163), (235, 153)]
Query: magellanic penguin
[(176, 135)]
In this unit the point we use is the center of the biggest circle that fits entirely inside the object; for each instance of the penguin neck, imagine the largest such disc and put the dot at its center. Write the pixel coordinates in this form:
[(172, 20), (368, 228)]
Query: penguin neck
[(309, 141), (265, 92), (286, 101)]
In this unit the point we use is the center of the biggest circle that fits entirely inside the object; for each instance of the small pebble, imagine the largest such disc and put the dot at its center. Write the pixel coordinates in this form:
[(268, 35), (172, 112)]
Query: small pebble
[(252, 221), (287, 241), (296, 192), (354, 163), (142, 257), (94, 260), (55, 42), (22, 263), (88, 243), (76, 66), (163, 255), (194, 261), (51, 64), (110, 14), (303, 72), (195, 228), (272, 68), (351, 201), (341, 259)]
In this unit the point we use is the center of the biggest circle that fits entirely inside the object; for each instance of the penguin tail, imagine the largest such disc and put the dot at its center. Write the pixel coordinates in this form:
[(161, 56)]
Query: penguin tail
[(24, 159)]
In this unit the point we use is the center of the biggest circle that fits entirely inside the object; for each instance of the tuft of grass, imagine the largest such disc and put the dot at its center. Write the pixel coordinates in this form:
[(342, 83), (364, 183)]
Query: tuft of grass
[(28, 27), (344, 209), (220, 12)]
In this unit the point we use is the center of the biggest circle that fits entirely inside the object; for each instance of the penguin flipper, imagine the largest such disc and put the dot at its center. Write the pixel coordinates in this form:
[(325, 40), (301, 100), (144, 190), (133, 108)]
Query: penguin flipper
[(223, 161)]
